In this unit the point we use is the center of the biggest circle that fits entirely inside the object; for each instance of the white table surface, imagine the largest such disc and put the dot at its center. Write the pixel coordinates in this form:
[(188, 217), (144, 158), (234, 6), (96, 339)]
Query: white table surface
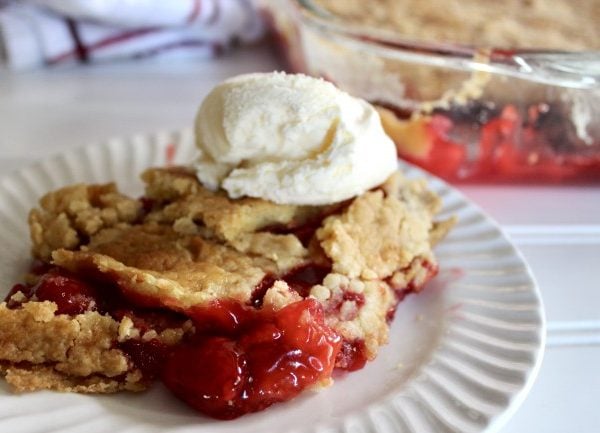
[(557, 228)]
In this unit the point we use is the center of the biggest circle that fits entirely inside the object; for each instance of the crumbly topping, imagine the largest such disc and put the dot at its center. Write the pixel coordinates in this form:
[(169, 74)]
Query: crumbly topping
[(224, 217), (179, 272), (440, 229), (127, 330), (414, 275), (191, 246), (364, 320), (68, 216), (554, 24), (42, 350), (170, 336), (286, 251), (39, 377), (279, 295), (76, 346), (380, 231), (170, 184)]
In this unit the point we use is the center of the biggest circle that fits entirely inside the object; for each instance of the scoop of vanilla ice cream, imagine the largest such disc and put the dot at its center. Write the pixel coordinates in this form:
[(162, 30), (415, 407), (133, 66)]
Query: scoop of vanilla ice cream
[(291, 139)]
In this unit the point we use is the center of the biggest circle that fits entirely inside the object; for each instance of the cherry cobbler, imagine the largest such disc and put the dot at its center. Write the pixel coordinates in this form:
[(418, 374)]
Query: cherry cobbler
[(233, 304), (470, 90)]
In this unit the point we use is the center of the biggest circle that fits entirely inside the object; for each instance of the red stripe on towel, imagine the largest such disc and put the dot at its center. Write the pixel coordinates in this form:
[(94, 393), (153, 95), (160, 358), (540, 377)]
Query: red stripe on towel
[(112, 40), (195, 13)]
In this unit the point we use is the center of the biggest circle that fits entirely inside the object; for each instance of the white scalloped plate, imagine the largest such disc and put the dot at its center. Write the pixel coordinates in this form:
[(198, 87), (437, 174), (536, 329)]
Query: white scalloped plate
[(462, 355)]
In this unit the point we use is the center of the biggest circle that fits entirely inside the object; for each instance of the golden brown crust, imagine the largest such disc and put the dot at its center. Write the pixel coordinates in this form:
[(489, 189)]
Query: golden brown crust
[(75, 346), (286, 251), (555, 24), (186, 200), (79, 345), (362, 316), (380, 231), (68, 216), (42, 350), (170, 184), (195, 246), (39, 377), (200, 272)]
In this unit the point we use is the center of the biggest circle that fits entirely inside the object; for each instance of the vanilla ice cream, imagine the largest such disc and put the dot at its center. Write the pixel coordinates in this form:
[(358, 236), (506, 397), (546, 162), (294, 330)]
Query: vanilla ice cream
[(291, 139)]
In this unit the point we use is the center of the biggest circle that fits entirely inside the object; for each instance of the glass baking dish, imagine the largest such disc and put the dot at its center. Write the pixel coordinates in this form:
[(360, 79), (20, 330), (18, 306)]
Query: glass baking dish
[(465, 113)]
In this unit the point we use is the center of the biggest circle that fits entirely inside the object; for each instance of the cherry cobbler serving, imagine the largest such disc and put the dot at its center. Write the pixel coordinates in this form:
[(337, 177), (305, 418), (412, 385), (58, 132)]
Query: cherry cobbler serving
[(233, 303)]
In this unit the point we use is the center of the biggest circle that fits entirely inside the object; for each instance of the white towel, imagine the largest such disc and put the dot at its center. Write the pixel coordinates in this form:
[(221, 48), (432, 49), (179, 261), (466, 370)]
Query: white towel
[(48, 32)]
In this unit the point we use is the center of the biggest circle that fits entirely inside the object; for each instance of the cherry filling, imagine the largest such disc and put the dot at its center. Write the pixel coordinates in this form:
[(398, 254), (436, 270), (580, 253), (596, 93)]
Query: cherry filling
[(255, 359), (70, 294), (299, 279), (148, 356), (259, 291), (352, 355), (483, 141), (412, 287), (147, 204), (74, 295), (306, 230), (241, 358), (302, 278)]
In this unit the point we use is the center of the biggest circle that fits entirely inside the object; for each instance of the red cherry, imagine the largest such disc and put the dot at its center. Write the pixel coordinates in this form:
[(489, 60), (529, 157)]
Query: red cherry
[(71, 295), (25, 290), (267, 357), (302, 278), (148, 356), (220, 317), (302, 353), (445, 157), (208, 374), (352, 355)]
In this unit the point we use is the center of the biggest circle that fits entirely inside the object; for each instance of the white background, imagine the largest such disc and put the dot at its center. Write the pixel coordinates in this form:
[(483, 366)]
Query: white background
[(557, 227)]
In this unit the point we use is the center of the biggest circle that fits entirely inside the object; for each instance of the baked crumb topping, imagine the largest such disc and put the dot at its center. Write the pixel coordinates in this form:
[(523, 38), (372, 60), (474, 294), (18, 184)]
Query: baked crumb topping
[(185, 199), (184, 248), (376, 235), (554, 24), (68, 217), (78, 346)]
